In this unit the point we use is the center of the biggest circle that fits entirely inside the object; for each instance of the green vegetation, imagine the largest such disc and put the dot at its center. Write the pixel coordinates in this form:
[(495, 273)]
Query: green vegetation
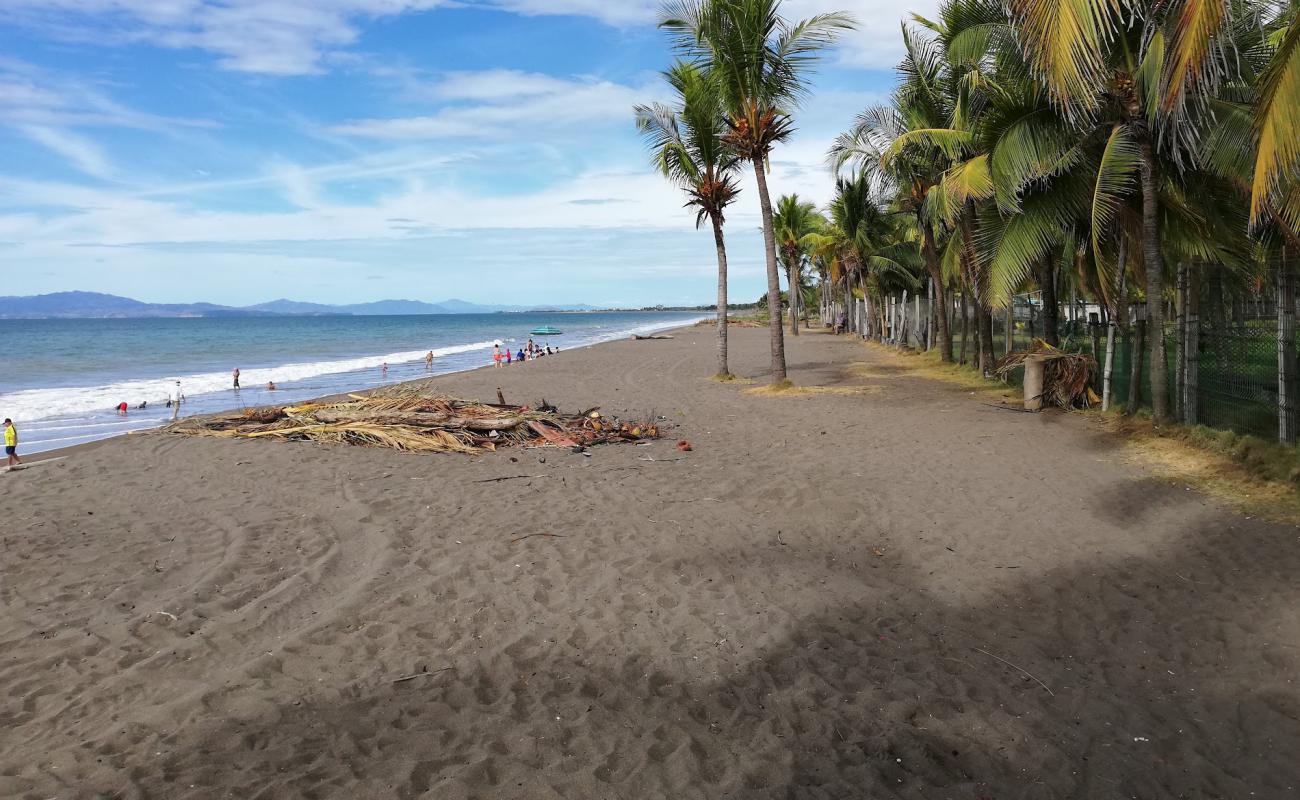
[(1136, 161)]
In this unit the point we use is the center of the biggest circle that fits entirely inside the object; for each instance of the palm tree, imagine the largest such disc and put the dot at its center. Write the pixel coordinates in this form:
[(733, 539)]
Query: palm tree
[(1145, 73), (1276, 180), (794, 220), (905, 147), (688, 145), (876, 248), (762, 62)]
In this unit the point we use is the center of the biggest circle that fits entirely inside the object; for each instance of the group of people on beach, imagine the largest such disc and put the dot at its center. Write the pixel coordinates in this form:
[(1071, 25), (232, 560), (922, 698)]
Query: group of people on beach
[(527, 352)]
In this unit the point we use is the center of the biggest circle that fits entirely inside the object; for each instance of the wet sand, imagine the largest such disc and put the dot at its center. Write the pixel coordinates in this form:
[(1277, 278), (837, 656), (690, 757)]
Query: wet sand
[(890, 591)]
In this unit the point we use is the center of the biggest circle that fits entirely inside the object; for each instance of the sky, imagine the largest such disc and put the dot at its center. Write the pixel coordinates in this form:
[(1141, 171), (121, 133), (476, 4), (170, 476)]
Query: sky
[(238, 151)]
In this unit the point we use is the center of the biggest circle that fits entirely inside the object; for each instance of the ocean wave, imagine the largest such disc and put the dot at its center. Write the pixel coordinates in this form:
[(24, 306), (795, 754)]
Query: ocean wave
[(37, 404)]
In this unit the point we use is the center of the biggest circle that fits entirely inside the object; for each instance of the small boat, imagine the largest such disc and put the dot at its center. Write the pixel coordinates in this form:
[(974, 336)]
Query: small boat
[(546, 330)]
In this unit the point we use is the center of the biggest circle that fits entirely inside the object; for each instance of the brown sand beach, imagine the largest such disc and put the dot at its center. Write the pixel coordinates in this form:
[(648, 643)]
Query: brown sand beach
[(890, 590)]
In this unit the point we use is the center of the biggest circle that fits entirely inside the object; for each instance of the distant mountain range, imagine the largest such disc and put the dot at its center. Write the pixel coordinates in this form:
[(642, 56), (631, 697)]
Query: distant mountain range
[(70, 305)]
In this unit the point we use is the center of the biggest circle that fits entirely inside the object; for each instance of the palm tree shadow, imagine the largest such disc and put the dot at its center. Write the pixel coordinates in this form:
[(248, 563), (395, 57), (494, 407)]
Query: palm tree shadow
[(1134, 677)]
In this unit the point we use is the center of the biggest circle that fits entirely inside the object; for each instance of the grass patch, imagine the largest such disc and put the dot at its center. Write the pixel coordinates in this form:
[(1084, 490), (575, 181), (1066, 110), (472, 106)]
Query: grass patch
[(1254, 475), (731, 378), (787, 389), (928, 365)]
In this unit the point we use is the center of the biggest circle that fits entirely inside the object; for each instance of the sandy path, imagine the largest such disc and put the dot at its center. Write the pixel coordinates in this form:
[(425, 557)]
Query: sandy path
[(812, 604)]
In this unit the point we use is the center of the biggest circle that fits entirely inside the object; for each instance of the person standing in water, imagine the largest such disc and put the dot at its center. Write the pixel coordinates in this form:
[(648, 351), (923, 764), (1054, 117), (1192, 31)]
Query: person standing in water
[(175, 399), (428, 361), (236, 373), (11, 443)]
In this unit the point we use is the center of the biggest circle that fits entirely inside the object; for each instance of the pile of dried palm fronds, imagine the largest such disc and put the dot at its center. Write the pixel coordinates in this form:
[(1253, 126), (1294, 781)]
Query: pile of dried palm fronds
[(1067, 377), (417, 420)]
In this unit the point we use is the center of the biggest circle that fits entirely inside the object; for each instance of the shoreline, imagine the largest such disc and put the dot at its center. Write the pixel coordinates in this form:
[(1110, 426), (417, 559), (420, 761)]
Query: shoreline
[(820, 598), (75, 448)]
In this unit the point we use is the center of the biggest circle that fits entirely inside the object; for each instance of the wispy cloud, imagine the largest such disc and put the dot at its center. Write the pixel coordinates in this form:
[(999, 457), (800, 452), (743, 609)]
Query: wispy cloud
[(273, 37), (82, 153), (31, 95), (507, 103)]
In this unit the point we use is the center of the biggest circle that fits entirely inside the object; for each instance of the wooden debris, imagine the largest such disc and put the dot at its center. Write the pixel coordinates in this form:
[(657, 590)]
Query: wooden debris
[(1067, 377), (417, 420), (423, 674), (531, 535)]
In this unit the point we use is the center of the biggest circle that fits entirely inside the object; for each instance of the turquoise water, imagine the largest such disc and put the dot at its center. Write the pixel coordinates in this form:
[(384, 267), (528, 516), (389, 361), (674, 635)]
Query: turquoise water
[(63, 378)]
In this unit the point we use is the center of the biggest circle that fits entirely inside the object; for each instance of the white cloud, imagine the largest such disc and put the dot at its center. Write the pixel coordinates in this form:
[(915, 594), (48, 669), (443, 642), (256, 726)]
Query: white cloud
[(875, 43), (30, 95), (295, 37), (84, 154), (512, 104), (276, 37)]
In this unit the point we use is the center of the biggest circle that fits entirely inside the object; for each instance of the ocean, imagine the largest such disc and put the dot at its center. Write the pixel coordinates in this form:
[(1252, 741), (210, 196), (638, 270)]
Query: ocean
[(62, 379)]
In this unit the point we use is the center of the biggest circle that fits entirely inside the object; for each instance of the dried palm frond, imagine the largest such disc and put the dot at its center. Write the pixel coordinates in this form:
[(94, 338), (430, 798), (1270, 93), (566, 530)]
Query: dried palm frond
[(1067, 377), (415, 419)]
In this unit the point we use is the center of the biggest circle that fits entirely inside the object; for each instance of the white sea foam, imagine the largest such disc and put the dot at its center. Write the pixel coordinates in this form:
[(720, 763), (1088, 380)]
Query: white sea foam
[(57, 417), (37, 404)]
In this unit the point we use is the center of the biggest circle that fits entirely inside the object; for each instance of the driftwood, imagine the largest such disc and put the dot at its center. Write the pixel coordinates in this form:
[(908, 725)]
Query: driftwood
[(419, 419), (423, 674), (531, 535), (640, 338), (413, 418)]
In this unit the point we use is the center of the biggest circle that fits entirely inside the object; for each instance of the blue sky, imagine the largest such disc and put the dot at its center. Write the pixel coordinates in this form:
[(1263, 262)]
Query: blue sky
[(237, 151)]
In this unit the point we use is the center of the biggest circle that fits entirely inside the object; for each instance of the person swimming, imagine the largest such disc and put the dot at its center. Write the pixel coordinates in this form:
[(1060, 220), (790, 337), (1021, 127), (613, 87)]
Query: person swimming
[(270, 386)]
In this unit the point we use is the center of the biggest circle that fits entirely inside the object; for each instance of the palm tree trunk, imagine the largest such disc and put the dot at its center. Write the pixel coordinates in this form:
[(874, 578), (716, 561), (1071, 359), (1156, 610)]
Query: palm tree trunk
[(940, 294), (1117, 320), (777, 342), (1155, 283), (723, 371), (1136, 353), (983, 319), (796, 298)]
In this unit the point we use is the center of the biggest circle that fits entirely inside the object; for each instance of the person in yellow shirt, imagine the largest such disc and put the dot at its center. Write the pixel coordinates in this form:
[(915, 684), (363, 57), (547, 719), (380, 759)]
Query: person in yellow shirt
[(11, 443)]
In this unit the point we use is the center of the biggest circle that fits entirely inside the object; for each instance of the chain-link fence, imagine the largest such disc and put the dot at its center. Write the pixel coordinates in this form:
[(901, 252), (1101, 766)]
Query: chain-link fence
[(1230, 345)]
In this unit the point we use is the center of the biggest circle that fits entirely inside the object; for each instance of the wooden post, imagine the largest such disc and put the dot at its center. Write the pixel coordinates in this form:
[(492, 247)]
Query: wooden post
[(1192, 365), (1094, 328), (1110, 365), (916, 323), (965, 327), (1286, 368), (1180, 342), (929, 319), (1033, 383), (1137, 353), (902, 323), (1011, 320)]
